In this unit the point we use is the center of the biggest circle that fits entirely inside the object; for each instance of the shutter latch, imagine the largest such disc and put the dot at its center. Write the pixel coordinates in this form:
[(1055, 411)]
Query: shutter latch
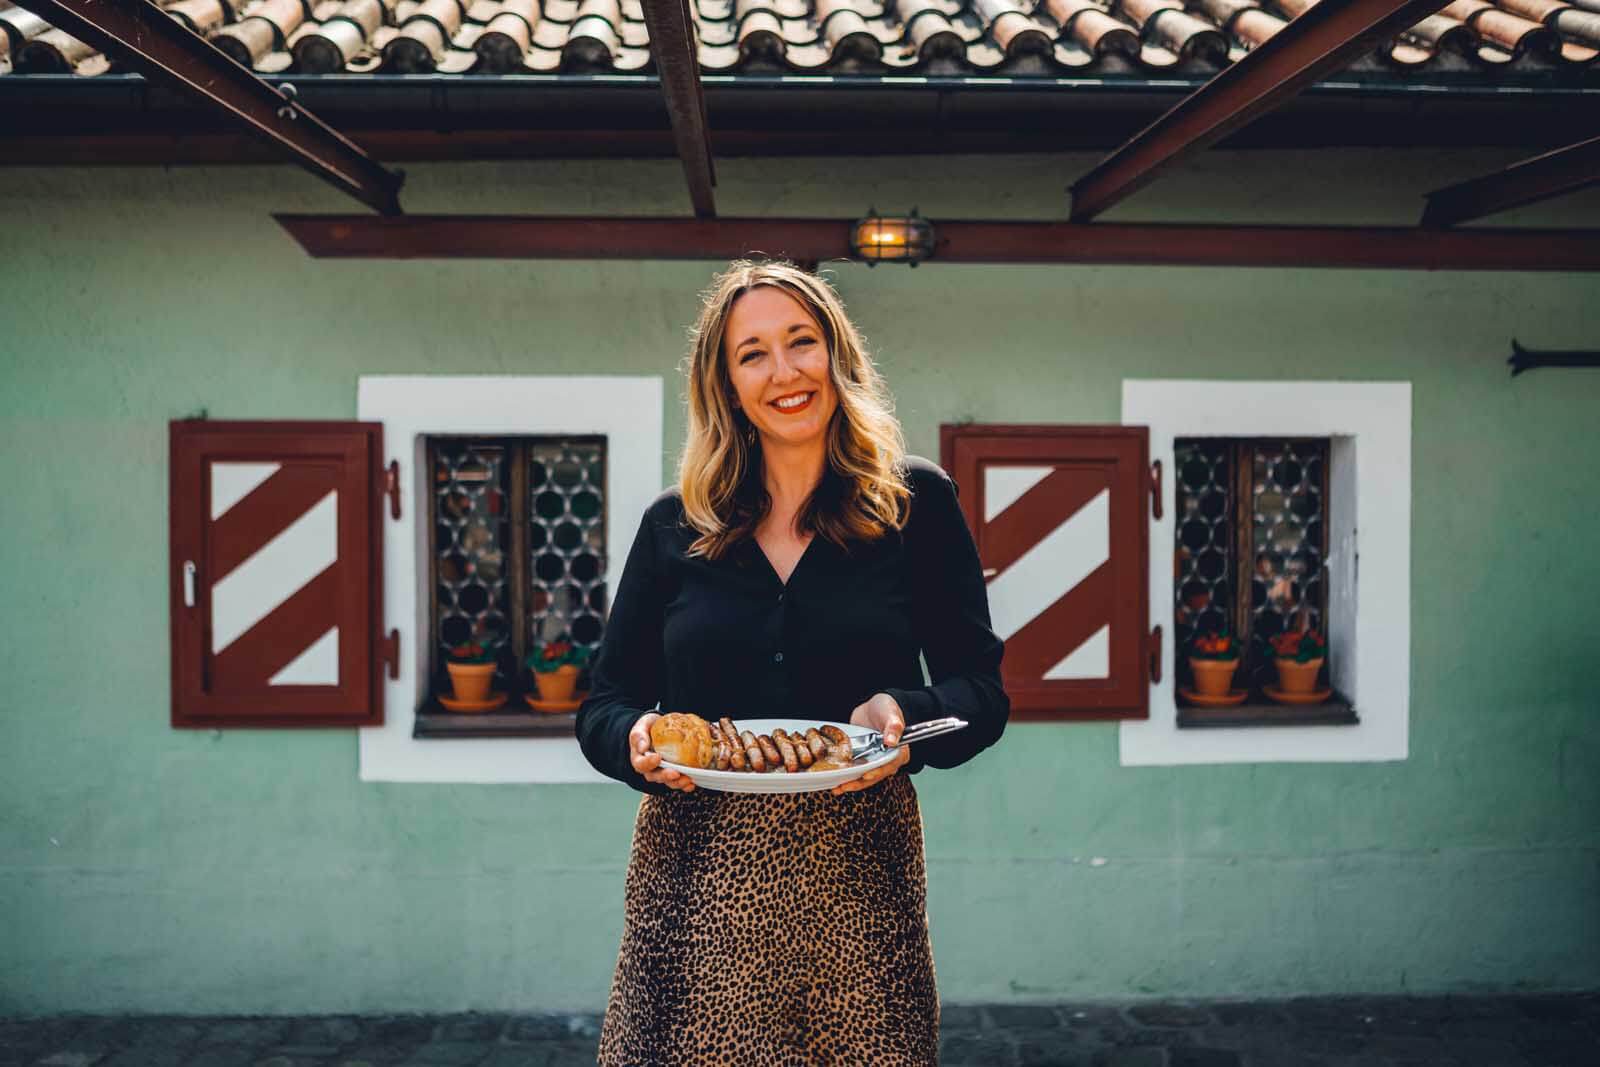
[(390, 647), (391, 486), (1155, 653), (1155, 488)]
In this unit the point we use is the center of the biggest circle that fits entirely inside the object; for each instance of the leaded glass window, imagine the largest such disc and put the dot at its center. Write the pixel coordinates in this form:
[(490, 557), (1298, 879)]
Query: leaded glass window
[(567, 538), (518, 548), (1252, 516)]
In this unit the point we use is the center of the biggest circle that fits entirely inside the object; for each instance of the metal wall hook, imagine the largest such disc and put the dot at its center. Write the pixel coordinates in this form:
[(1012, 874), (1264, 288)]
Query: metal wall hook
[(1527, 358)]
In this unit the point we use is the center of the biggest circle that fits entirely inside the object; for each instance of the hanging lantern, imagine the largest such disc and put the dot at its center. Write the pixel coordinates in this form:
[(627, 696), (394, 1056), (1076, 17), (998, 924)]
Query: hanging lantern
[(902, 239)]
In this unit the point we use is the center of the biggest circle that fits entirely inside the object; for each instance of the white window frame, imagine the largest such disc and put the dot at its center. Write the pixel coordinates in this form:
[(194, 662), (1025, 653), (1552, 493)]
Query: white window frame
[(626, 410), (1369, 562)]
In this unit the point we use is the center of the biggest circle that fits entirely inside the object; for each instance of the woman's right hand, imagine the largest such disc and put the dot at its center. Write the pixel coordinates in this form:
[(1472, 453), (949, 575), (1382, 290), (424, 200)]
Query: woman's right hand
[(647, 761)]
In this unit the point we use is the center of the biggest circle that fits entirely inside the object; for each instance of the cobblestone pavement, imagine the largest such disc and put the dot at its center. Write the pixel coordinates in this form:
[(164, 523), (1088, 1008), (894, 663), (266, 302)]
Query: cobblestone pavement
[(1526, 1031)]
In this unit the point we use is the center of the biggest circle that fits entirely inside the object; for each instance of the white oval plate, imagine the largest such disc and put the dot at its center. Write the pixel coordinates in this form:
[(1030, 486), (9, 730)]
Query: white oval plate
[(781, 781)]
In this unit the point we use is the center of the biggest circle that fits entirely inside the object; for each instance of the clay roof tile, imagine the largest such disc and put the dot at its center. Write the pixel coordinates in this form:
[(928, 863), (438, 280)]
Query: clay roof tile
[(1120, 38)]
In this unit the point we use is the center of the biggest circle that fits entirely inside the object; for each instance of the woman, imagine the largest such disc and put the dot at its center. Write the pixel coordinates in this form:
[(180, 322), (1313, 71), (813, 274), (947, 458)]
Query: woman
[(796, 570)]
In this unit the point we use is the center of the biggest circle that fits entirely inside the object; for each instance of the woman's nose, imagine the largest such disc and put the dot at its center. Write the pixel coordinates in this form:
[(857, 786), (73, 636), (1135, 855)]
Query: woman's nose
[(782, 369)]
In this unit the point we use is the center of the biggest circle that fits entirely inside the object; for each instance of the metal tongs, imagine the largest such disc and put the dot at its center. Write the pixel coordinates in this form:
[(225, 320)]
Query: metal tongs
[(871, 743)]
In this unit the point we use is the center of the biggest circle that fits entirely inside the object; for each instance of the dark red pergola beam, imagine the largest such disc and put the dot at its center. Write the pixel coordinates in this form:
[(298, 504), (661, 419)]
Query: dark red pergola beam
[(672, 42), (1565, 170), (1318, 42), (163, 48), (636, 238)]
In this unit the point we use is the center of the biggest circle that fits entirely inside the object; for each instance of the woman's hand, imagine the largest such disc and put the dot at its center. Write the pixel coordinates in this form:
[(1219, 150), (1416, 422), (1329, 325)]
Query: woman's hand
[(646, 760), (882, 714)]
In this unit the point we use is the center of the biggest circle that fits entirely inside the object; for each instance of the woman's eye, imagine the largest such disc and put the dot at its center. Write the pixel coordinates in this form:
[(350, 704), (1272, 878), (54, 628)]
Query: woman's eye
[(748, 356), (804, 341)]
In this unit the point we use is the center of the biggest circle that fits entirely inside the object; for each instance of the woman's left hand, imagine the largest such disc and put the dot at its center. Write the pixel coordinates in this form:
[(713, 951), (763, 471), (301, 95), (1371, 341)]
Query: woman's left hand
[(882, 714)]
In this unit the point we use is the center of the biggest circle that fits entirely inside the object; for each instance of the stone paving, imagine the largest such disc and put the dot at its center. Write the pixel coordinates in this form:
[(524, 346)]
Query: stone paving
[(1526, 1031)]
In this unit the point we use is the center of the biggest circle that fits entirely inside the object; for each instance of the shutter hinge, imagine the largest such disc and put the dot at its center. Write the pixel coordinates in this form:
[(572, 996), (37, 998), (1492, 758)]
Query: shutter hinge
[(391, 486), (391, 652), (1155, 488), (1155, 656)]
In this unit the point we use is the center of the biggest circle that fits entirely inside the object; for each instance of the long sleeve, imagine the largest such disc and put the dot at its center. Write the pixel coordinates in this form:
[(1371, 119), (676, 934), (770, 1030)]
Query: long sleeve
[(952, 618), (628, 675)]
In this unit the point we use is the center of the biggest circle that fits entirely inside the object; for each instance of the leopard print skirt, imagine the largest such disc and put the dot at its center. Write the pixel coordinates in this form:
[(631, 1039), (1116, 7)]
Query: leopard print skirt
[(775, 930)]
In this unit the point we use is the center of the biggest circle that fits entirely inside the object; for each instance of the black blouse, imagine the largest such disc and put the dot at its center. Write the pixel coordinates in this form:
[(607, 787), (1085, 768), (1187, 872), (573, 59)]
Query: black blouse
[(728, 637)]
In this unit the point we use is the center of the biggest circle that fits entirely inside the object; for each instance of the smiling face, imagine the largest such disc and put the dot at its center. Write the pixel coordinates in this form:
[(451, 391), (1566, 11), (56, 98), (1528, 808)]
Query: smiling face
[(775, 351)]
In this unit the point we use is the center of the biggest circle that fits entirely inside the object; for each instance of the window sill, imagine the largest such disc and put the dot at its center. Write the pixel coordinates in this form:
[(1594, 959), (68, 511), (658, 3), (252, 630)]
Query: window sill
[(434, 721), (1258, 711)]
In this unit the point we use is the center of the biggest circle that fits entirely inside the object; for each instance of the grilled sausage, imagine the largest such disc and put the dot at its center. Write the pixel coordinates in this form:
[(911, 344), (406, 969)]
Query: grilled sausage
[(769, 750), (752, 752), (735, 746), (791, 760), (801, 749), (721, 762), (838, 742), (816, 743)]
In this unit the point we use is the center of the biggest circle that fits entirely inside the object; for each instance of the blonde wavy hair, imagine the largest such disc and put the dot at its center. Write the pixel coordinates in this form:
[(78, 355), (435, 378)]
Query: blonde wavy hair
[(863, 493)]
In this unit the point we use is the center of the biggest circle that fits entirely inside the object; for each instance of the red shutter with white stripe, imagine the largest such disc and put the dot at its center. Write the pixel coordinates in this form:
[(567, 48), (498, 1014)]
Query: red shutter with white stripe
[(277, 573), (1059, 517)]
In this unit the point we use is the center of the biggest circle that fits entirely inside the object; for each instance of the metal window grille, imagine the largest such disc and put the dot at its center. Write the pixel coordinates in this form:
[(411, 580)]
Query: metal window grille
[(518, 547), (1249, 511)]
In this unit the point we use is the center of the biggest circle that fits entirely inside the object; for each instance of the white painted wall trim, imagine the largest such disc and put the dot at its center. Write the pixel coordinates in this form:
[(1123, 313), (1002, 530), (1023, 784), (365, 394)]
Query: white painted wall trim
[(627, 410), (1371, 486)]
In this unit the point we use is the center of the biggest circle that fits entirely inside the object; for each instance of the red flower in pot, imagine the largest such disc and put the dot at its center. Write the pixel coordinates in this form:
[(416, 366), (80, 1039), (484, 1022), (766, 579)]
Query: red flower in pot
[(472, 666), (1299, 655), (555, 669), (1213, 658)]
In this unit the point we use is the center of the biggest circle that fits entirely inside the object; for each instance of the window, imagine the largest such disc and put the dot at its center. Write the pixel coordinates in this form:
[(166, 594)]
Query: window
[(1250, 543), (517, 543), (624, 411), (1366, 568)]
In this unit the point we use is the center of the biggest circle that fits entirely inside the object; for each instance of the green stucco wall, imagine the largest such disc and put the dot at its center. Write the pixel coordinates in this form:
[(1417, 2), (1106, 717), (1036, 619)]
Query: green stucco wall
[(148, 869)]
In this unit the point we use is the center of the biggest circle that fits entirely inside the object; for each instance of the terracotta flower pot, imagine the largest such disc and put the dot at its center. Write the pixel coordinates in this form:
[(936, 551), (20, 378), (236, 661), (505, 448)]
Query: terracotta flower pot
[(558, 684), (471, 681), (1213, 677), (1298, 677)]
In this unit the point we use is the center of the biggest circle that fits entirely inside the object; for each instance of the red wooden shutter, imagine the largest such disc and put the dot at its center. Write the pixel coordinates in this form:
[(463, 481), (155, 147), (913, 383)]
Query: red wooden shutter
[(1059, 514), (277, 574)]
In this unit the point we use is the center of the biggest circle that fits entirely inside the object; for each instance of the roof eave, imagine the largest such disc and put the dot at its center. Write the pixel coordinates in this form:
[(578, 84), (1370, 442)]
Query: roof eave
[(62, 118)]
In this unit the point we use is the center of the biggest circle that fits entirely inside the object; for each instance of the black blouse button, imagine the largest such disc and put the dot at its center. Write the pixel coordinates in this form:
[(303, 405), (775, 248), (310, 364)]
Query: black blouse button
[(777, 657)]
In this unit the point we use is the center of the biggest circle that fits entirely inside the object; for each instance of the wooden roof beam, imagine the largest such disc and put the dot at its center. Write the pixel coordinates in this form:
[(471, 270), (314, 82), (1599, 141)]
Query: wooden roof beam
[(1564, 170), (979, 241), (1319, 41), (164, 49), (672, 42)]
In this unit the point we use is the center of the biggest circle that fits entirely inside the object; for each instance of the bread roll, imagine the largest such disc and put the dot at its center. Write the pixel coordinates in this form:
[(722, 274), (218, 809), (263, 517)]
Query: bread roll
[(684, 739)]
